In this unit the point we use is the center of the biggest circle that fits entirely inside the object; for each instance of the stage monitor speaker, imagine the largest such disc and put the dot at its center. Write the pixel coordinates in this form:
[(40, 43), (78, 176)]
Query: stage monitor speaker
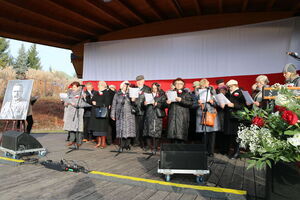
[(183, 156), (18, 141)]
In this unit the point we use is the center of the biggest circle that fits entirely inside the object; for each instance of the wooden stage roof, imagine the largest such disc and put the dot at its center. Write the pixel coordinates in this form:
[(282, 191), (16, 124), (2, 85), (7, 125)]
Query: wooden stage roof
[(71, 23)]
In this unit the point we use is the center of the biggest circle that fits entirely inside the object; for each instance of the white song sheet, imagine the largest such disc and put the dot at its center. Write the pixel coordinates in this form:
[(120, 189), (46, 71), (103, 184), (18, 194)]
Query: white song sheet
[(134, 92), (204, 95), (171, 95), (248, 97), (149, 98), (221, 99)]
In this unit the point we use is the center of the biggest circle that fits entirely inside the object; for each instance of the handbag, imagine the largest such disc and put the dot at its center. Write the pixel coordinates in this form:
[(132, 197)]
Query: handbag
[(101, 112), (160, 113), (209, 118)]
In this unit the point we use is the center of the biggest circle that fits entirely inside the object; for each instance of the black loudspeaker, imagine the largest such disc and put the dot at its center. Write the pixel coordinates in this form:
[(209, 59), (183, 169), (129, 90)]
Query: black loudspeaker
[(183, 156), (18, 141)]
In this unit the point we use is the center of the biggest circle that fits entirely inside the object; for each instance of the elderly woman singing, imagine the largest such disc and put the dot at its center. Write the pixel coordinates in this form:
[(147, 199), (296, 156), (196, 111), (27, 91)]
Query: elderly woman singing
[(121, 112)]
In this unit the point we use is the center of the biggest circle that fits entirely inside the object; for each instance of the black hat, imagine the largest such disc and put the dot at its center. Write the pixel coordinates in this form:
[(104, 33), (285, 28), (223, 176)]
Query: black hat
[(219, 81), (140, 77)]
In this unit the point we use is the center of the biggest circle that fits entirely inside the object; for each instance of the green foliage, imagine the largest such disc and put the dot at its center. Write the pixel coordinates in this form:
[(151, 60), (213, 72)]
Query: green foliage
[(20, 65), (33, 60), (5, 58), (276, 140)]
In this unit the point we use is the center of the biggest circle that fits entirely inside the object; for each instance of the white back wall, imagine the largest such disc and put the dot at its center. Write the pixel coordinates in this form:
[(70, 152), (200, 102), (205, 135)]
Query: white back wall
[(243, 50)]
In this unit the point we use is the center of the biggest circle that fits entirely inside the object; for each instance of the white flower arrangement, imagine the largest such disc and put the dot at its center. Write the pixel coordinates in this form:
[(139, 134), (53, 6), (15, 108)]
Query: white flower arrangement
[(295, 141)]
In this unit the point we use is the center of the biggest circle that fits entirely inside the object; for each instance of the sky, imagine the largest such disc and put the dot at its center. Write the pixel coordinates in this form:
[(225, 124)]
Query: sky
[(59, 59)]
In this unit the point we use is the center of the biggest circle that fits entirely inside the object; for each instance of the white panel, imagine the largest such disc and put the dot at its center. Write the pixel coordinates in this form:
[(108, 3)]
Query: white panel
[(243, 50)]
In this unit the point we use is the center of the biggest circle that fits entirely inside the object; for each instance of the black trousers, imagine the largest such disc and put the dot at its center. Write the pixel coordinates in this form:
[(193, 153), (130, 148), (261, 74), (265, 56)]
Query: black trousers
[(139, 123), (29, 121), (87, 134), (228, 141), (209, 139)]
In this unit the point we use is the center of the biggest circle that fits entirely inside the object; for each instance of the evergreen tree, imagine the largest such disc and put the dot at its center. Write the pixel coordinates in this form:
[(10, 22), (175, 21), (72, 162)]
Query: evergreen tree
[(33, 60), (5, 58), (20, 65)]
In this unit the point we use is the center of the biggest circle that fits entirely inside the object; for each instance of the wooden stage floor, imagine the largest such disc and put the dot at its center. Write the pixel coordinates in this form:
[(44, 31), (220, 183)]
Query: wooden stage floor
[(29, 181)]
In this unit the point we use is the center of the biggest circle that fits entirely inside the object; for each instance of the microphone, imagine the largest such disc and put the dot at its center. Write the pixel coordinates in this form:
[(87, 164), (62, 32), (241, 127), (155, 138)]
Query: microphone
[(293, 54)]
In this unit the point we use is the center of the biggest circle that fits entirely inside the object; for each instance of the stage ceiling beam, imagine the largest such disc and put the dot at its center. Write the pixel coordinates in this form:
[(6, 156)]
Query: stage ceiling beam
[(34, 39), (154, 9), (49, 10), (27, 17), (197, 6), (84, 16), (244, 6), (131, 10), (174, 8), (220, 6), (270, 5), (24, 29), (107, 11)]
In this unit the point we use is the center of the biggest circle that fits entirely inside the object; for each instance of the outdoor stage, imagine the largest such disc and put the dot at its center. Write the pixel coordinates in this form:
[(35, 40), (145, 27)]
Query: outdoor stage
[(29, 181)]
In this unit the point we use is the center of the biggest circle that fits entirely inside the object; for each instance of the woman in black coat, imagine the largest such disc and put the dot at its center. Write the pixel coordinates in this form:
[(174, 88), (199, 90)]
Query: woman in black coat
[(231, 123), (153, 123), (179, 114), (100, 126)]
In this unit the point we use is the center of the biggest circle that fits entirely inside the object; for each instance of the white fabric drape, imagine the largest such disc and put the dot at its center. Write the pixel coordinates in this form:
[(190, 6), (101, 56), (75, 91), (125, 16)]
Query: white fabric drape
[(243, 50)]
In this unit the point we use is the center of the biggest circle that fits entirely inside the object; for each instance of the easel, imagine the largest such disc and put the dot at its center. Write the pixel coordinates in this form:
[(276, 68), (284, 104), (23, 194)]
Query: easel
[(271, 93), (14, 126)]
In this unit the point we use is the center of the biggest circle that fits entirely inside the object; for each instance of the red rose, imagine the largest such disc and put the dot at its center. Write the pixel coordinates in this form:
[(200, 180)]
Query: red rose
[(179, 91), (280, 108), (290, 117), (258, 121)]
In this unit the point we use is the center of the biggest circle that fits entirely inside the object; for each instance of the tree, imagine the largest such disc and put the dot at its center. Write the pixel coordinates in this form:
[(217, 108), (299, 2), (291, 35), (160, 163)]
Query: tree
[(5, 58), (33, 60), (20, 65)]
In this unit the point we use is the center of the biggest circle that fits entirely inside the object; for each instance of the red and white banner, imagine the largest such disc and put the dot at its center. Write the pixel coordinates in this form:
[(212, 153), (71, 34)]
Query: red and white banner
[(240, 53)]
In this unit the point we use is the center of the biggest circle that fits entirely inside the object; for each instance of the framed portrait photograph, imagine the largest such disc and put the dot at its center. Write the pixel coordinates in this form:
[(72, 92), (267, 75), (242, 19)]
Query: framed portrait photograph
[(16, 100)]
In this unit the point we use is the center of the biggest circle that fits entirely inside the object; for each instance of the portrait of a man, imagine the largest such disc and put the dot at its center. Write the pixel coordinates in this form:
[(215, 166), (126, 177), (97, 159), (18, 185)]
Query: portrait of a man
[(16, 100)]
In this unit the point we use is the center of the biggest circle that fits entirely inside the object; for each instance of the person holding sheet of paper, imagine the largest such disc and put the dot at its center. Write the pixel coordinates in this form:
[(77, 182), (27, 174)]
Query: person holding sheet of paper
[(73, 117), (179, 115), (257, 88), (121, 112), (153, 122), (231, 123), (138, 104), (209, 138)]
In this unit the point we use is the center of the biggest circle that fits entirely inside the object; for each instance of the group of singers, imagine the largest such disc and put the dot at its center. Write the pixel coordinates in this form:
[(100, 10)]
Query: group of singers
[(141, 123)]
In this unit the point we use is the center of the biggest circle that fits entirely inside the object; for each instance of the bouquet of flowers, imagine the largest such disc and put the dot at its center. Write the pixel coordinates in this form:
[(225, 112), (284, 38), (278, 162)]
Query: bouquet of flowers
[(272, 134)]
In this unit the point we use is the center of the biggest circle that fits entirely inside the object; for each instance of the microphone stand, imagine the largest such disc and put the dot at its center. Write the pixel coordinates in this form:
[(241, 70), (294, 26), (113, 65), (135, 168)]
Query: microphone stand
[(204, 119), (120, 149)]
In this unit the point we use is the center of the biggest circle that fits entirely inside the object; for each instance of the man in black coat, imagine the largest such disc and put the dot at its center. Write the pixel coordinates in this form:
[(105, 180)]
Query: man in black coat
[(140, 110), (231, 123), (88, 95)]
